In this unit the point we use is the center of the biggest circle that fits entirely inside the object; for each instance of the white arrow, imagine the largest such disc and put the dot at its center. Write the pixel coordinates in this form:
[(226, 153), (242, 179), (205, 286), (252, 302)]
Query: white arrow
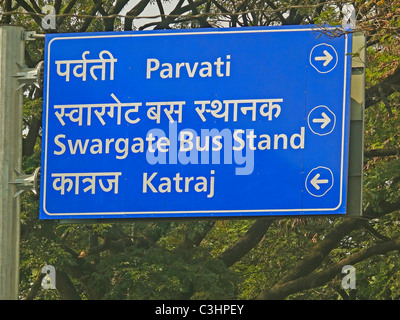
[(324, 120), (315, 182), (327, 57)]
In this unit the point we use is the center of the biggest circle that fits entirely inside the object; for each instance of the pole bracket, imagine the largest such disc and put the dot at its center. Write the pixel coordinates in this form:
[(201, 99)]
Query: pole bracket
[(29, 76), (27, 182), (31, 35)]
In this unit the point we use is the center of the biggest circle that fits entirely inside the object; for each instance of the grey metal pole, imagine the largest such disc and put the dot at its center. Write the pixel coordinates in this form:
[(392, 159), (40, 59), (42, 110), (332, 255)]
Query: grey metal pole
[(356, 141), (12, 48)]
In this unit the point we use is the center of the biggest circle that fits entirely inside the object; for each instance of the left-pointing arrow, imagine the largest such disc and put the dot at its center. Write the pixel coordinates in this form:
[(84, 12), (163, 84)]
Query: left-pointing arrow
[(324, 120), (327, 58), (316, 182)]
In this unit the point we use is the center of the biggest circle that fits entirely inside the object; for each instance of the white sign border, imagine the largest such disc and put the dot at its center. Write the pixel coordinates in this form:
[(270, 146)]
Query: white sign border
[(210, 212)]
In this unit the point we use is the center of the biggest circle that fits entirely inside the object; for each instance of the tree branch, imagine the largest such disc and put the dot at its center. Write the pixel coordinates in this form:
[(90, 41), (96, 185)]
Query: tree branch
[(178, 11), (381, 153), (65, 287), (277, 12), (66, 10), (320, 278), (319, 252), (190, 241), (376, 233), (161, 9), (247, 242), (388, 86), (28, 144), (107, 244), (7, 7), (89, 20), (202, 20), (30, 10), (300, 275), (134, 12), (35, 288)]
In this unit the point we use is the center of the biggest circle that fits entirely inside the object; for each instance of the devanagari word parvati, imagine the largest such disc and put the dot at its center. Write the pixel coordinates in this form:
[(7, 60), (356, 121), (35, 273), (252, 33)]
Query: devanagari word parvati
[(80, 67)]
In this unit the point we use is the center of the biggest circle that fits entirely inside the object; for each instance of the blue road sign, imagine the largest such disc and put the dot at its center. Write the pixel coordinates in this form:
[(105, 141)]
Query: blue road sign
[(195, 123)]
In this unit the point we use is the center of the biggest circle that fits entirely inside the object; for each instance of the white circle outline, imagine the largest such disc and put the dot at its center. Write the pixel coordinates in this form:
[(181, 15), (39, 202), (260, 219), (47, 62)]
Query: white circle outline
[(327, 189), (334, 120), (321, 44)]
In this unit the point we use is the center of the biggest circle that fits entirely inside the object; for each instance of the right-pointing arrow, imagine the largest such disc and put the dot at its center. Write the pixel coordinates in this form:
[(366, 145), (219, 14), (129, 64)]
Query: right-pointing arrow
[(315, 182), (324, 120), (327, 58)]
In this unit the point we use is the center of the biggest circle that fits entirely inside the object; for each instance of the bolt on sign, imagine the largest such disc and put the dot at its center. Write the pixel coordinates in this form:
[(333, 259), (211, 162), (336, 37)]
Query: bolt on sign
[(196, 123)]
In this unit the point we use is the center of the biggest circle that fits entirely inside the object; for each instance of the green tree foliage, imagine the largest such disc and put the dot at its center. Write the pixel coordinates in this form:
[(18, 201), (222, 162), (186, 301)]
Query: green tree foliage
[(296, 258)]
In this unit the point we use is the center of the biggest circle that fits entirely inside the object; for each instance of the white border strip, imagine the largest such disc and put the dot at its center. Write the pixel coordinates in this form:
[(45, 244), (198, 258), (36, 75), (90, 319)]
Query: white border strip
[(212, 212)]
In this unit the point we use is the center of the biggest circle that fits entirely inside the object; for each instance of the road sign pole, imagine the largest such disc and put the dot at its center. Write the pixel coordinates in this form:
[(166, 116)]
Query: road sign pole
[(11, 54), (356, 141)]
